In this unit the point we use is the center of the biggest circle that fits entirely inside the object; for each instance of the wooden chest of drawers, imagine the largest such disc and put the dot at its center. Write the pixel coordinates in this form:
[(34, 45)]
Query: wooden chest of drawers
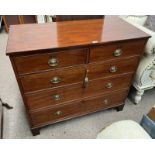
[(70, 69)]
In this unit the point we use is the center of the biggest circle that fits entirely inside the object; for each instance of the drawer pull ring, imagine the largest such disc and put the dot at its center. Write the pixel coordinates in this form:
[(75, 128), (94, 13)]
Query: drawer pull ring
[(118, 52), (56, 79), (53, 62), (58, 112), (106, 102), (56, 97), (109, 85), (86, 80), (113, 69)]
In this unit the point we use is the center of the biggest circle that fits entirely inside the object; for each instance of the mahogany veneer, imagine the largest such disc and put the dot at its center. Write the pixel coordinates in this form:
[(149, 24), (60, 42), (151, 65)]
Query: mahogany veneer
[(36, 63), (69, 69)]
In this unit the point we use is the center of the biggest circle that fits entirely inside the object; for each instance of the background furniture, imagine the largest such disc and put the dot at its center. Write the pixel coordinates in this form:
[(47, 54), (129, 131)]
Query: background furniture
[(86, 66), (58, 18), (15, 19), (43, 19), (126, 129), (145, 76)]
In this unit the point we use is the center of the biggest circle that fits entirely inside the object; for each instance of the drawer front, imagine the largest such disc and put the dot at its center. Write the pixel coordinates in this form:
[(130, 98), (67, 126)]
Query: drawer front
[(107, 85), (52, 79), (113, 67), (116, 50), (77, 91), (35, 63), (78, 108)]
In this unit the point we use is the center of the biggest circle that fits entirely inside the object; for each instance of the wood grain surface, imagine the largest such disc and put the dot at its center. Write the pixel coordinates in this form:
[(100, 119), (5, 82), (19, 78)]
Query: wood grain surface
[(31, 37)]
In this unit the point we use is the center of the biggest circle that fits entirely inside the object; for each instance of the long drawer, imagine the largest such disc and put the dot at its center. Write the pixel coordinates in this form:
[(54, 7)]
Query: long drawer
[(39, 62), (116, 50), (52, 79), (113, 67), (65, 94), (75, 109)]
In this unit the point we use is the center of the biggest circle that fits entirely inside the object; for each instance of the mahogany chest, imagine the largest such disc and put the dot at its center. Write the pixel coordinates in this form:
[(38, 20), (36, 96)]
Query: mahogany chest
[(73, 68)]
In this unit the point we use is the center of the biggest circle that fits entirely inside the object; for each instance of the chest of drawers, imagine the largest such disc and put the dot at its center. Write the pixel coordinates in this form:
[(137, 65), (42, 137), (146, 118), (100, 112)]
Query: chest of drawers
[(70, 69)]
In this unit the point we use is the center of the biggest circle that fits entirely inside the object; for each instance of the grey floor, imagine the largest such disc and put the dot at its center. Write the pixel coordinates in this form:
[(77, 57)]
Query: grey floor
[(16, 124)]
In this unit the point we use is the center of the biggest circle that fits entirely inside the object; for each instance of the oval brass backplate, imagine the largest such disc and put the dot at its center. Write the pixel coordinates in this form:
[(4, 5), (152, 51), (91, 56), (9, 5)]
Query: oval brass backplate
[(58, 112), (113, 69), (109, 85), (56, 79), (53, 62), (106, 101), (118, 52), (56, 97)]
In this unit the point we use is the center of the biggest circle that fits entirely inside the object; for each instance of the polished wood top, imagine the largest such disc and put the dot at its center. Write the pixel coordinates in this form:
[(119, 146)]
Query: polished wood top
[(32, 37)]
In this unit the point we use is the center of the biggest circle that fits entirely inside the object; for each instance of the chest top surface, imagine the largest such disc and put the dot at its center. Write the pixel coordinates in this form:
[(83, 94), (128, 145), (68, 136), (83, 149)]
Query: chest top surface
[(32, 37)]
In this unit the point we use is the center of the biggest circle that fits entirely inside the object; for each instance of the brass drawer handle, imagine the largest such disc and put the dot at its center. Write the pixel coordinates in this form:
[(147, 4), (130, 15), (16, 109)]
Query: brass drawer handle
[(58, 113), (56, 79), (106, 101), (56, 97), (109, 85), (86, 79), (53, 62), (113, 69), (118, 52)]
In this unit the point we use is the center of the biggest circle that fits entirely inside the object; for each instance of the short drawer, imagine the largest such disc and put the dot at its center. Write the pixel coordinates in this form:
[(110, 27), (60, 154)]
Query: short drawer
[(77, 91), (75, 109), (52, 79), (40, 62), (116, 50), (112, 67)]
